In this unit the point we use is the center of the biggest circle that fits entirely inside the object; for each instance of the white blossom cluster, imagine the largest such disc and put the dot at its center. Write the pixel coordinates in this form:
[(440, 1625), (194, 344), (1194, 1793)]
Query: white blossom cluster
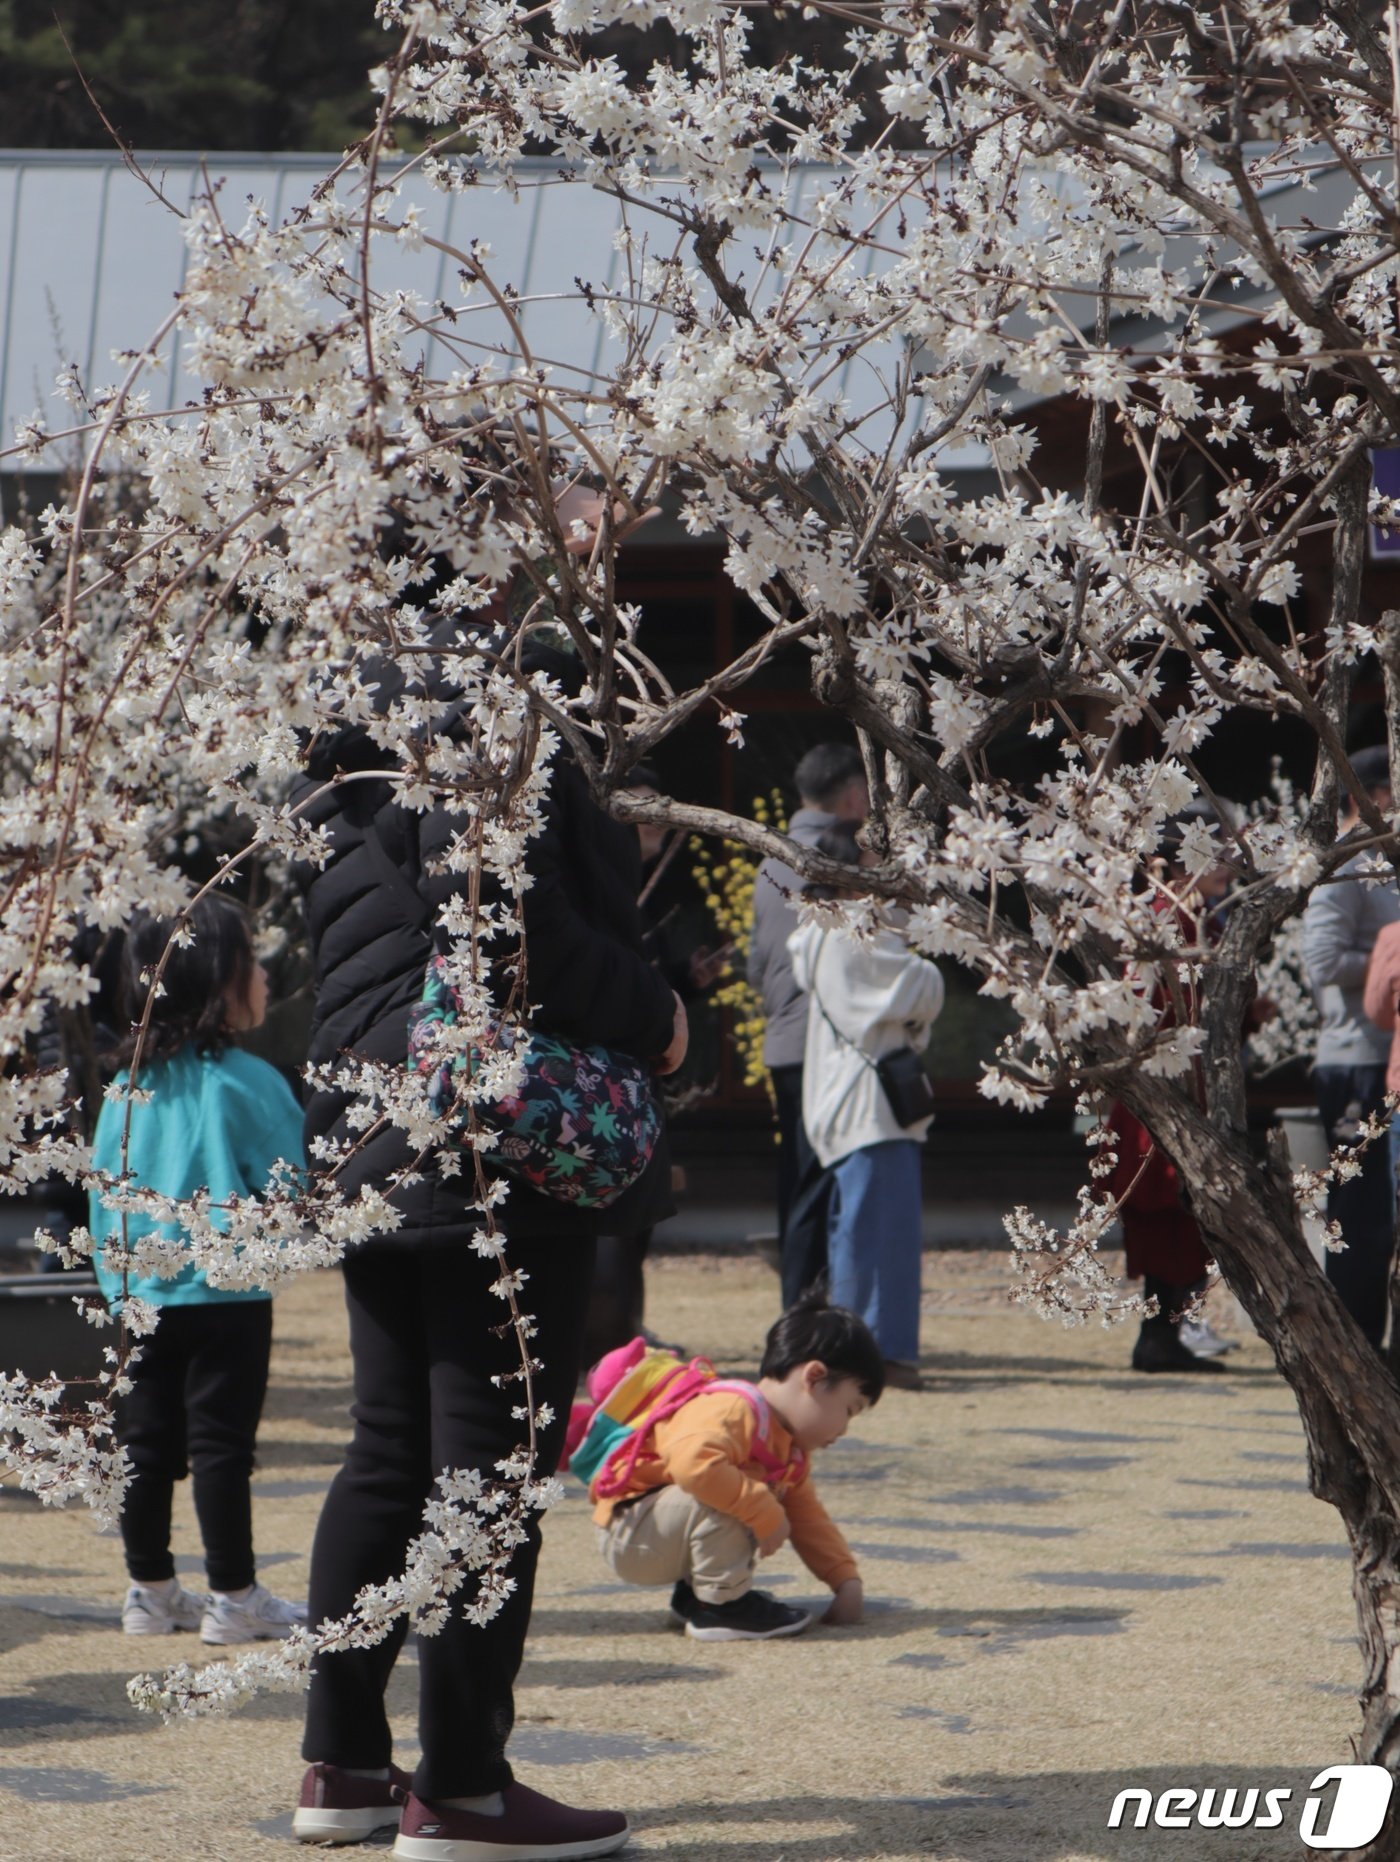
[(1064, 1275), (1017, 361), (1289, 1032)]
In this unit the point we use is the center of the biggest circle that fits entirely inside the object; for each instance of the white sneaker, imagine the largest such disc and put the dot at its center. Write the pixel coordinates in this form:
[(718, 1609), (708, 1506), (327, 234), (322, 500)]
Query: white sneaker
[(1200, 1337), (258, 1617), (159, 1610)]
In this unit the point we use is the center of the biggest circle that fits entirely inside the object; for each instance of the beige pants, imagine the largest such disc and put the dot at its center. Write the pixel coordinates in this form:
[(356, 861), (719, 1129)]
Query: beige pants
[(668, 1535)]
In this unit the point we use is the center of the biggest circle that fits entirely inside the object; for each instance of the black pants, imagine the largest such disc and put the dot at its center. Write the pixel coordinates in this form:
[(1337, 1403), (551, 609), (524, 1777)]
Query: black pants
[(424, 1343), (196, 1396), (1171, 1299), (804, 1191), (617, 1305), (1365, 1207)]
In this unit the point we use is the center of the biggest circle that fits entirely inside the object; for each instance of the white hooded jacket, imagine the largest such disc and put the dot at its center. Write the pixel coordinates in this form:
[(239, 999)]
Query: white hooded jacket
[(879, 996)]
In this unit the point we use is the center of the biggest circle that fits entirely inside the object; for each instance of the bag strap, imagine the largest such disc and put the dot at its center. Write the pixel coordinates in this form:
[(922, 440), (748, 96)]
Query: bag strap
[(816, 997)]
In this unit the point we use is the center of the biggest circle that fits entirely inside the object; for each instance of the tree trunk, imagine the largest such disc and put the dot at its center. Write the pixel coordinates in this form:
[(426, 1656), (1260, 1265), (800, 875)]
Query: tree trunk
[(1375, 1584), (1347, 1398)]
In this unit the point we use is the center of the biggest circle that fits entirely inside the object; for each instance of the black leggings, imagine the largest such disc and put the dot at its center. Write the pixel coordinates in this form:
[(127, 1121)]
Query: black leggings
[(617, 1306), (425, 1347), (196, 1396)]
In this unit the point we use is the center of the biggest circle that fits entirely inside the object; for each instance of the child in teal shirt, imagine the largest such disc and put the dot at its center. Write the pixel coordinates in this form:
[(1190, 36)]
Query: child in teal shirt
[(219, 1121)]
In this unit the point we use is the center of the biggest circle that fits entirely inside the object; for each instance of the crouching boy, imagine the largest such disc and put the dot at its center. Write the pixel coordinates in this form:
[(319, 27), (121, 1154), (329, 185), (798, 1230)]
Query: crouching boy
[(725, 1479)]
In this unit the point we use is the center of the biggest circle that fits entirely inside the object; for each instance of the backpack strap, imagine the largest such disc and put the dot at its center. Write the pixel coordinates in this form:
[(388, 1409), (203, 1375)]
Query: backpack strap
[(776, 1470)]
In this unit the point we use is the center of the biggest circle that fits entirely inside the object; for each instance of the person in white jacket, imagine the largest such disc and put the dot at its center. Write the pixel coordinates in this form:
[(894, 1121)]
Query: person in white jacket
[(867, 997)]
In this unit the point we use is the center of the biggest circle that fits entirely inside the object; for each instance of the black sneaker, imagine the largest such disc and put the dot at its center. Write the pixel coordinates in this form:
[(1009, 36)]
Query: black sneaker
[(683, 1602), (754, 1617), (1160, 1349)]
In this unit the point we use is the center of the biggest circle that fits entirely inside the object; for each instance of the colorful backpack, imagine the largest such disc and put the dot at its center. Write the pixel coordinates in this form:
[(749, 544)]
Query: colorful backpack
[(584, 1123), (634, 1388)]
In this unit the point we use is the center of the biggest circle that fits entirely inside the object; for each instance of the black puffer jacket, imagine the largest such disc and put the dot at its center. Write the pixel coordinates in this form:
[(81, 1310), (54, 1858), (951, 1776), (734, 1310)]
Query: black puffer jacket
[(370, 911)]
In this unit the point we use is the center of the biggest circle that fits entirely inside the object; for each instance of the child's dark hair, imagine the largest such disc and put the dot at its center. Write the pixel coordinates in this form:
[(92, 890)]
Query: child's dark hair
[(192, 1006), (840, 1340)]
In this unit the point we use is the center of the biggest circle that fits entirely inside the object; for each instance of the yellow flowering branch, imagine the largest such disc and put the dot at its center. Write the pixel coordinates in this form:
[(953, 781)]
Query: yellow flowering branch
[(726, 877)]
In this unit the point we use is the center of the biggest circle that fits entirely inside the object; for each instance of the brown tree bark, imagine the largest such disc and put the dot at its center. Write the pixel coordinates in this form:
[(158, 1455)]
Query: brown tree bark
[(1348, 1400)]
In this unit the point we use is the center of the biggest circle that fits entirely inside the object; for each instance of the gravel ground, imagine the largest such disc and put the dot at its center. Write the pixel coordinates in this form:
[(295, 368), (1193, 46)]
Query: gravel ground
[(1080, 1580)]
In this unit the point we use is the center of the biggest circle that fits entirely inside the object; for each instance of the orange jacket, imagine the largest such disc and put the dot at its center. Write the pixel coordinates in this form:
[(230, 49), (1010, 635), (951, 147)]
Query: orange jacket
[(1381, 994), (707, 1449)]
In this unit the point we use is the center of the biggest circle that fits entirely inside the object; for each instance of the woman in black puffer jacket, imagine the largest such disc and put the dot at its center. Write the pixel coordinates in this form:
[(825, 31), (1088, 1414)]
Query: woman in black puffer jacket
[(424, 1325)]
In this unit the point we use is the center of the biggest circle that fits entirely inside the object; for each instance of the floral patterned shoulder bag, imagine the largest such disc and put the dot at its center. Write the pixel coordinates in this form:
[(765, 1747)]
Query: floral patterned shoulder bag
[(580, 1126)]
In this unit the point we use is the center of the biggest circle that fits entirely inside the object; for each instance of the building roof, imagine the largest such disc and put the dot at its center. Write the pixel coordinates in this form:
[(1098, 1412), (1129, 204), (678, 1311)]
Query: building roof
[(90, 262)]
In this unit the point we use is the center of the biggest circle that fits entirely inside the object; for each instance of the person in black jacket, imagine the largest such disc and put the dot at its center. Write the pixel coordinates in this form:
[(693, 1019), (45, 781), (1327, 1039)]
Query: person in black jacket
[(617, 1309), (425, 1327)]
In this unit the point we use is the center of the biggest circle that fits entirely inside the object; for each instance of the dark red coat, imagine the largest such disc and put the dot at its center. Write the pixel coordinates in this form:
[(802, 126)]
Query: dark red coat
[(1160, 1236)]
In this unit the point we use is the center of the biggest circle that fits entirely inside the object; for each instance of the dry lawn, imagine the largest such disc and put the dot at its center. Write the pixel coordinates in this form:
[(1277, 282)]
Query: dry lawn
[(1080, 1579)]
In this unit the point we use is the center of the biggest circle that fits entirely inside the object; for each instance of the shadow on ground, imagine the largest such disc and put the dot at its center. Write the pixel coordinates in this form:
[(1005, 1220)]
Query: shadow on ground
[(947, 1372), (885, 1617), (585, 1674), (22, 1623), (273, 1453), (997, 1817), (81, 1706)]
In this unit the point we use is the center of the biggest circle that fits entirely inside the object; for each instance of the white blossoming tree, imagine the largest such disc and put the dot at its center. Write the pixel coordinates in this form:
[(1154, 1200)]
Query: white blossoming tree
[(1179, 226)]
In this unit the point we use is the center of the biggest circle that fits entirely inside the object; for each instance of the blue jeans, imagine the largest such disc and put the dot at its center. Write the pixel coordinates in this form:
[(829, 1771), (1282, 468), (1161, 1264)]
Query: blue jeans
[(875, 1241), (1364, 1207)]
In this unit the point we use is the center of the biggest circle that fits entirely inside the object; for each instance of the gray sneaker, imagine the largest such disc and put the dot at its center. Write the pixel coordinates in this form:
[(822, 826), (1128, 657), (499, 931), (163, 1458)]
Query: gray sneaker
[(1199, 1335), (258, 1617), (150, 1612)]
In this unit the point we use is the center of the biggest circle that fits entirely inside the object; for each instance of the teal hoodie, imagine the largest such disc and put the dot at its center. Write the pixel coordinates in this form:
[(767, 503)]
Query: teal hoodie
[(217, 1124)]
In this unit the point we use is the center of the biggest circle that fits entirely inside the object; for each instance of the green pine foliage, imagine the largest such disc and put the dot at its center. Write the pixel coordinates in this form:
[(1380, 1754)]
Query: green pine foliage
[(188, 74), (280, 74)]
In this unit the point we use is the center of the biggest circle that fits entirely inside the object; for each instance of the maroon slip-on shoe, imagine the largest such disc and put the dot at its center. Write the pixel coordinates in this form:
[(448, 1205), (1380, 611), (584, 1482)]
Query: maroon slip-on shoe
[(338, 1807), (533, 1829)]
